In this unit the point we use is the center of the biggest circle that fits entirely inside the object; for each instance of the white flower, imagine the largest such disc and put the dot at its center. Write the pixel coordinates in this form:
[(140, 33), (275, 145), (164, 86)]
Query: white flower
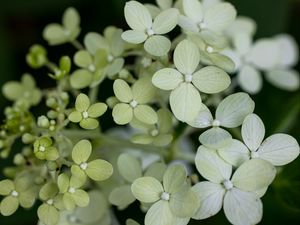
[(278, 149), (236, 193)]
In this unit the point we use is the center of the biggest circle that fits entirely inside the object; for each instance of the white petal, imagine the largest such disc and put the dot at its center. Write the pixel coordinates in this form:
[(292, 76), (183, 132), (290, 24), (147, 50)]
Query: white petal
[(134, 36), (219, 16), (157, 45), (250, 79), (160, 214), (242, 42), (242, 208), (185, 102), (253, 175), (211, 80), (235, 153), (187, 24), (215, 138), (210, 196), (279, 149), (193, 9), (289, 52), (186, 57), (264, 54), (285, 79), (166, 21), (167, 79), (243, 25), (203, 119), (232, 111), (253, 131), (211, 166), (164, 4), (137, 16)]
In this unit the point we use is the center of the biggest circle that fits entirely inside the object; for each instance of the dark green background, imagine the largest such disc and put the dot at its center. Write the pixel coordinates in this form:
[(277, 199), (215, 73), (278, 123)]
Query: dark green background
[(21, 25)]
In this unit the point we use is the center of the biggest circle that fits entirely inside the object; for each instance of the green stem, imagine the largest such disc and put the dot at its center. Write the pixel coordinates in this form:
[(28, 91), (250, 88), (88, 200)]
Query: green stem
[(93, 94), (77, 45)]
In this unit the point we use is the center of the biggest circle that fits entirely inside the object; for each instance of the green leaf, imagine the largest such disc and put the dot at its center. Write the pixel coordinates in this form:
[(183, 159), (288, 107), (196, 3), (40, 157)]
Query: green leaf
[(174, 178), (137, 16), (134, 36), (186, 57), (97, 109), (165, 21), (232, 111), (6, 187), (81, 79), (253, 175), (122, 91), (147, 189), (99, 170), (185, 102), (89, 123), (157, 45), (167, 79), (211, 166), (9, 205), (145, 114), (121, 196), (81, 151), (83, 59), (48, 214), (211, 80), (129, 167), (122, 113)]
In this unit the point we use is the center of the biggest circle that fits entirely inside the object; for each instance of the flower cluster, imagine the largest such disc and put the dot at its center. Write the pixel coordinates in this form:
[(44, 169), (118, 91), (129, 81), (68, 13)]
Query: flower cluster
[(172, 74)]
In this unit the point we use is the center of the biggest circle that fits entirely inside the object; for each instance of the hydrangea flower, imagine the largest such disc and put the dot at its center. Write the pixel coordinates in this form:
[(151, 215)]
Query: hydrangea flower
[(48, 212), (130, 169), (237, 193), (68, 31), (73, 195), (158, 134), (37, 56), (23, 93), (275, 56), (85, 114), (215, 18), (278, 149), (185, 82), (17, 193), (174, 201), (43, 149), (97, 169), (133, 102), (230, 113), (145, 30)]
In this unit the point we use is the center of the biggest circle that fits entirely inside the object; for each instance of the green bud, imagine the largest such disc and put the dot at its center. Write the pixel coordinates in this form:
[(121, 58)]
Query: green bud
[(51, 102), (26, 151), (65, 97), (10, 172), (65, 64), (43, 122), (52, 165), (19, 159), (52, 114), (37, 56), (112, 101), (27, 138)]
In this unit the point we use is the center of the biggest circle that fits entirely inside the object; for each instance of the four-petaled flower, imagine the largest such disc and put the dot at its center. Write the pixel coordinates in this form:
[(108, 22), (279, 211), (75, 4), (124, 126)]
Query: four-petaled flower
[(43, 149)]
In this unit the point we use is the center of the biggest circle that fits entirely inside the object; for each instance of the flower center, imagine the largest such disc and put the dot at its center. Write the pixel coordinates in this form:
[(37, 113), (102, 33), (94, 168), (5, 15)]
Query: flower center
[(110, 58), (209, 49), (228, 184), (154, 132), (83, 166), (85, 115), (202, 25), (254, 155), (92, 68), (14, 194), (42, 148), (150, 32), (216, 123), (133, 103), (50, 202), (188, 78), (71, 190), (165, 196)]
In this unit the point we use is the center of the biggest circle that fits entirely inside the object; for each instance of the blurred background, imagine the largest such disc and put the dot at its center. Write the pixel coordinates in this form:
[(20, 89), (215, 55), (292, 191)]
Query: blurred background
[(21, 25)]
